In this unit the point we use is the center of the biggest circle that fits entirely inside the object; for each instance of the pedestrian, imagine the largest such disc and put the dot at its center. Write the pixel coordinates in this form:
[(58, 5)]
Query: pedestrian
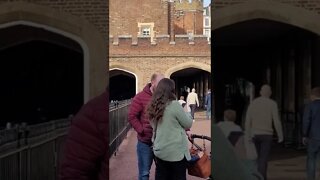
[(208, 104), (227, 126), (243, 146), (193, 101), (311, 133), (182, 101), (227, 165), (170, 143), (262, 113), (85, 154), (139, 121), (8, 125)]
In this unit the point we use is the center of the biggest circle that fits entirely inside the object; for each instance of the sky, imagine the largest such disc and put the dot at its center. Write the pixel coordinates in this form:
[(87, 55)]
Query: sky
[(206, 3)]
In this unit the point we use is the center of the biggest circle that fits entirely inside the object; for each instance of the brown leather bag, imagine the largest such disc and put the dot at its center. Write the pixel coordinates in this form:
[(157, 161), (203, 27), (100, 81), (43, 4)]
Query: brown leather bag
[(202, 167)]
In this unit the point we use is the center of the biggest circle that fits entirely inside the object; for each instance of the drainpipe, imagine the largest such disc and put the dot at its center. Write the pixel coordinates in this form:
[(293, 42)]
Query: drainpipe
[(171, 20)]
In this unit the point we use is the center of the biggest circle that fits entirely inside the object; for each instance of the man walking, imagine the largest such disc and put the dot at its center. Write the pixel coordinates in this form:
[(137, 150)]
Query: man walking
[(192, 101), (311, 133), (208, 104), (139, 121), (261, 114)]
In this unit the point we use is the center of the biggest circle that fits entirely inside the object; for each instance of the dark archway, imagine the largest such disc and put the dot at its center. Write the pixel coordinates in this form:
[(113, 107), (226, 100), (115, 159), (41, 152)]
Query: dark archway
[(192, 78), (41, 75), (263, 51), (122, 85)]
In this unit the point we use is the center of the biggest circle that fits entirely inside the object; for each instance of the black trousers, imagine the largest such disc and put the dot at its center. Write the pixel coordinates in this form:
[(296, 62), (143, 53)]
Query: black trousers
[(193, 109), (263, 145), (166, 170)]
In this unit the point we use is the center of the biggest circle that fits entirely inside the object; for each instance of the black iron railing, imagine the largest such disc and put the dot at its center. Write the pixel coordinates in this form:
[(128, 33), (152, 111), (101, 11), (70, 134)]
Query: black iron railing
[(118, 124), (292, 129), (32, 152)]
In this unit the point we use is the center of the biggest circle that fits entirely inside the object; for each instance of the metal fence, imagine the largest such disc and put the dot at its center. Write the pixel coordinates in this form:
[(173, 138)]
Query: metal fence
[(32, 152), (118, 124), (292, 130)]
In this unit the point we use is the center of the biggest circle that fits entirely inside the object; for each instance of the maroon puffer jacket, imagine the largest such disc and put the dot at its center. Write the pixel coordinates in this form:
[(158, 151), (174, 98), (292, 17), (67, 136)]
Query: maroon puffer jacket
[(138, 117), (86, 147)]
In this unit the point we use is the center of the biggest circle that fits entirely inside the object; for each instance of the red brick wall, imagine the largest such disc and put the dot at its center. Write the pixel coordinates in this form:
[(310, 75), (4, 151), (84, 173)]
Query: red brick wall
[(95, 11), (125, 15), (187, 21), (199, 23)]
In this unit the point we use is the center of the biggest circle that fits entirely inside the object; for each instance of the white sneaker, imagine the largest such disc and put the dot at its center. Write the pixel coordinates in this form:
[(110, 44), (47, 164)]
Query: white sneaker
[(193, 120)]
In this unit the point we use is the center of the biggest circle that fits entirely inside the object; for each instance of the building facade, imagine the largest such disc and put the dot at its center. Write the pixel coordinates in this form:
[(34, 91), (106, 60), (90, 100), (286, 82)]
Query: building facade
[(188, 17), (207, 21), (145, 39)]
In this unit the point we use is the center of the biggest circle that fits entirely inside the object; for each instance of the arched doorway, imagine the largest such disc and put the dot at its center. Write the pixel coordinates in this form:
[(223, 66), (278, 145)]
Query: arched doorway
[(78, 29), (267, 43), (42, 75), (189, 78), (123, 84)]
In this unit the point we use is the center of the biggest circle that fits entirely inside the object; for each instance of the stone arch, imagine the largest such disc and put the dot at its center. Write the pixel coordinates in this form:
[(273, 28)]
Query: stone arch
[(136, 77), (78, 29), (137, 74), (186, 65), (264, 9)]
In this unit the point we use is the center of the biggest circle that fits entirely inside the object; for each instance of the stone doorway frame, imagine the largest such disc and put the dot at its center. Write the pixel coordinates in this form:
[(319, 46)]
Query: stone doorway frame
[(129, 72), (269, 10), (92, 42), (186, 65)]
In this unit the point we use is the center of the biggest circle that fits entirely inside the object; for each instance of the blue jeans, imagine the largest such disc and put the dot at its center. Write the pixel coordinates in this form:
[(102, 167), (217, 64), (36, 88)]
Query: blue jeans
[(313, 152), (145, 159), (208, 112)]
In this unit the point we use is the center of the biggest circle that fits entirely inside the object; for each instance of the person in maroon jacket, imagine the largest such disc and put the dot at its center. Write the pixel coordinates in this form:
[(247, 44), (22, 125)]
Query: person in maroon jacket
[(139, 121), (85, 155)]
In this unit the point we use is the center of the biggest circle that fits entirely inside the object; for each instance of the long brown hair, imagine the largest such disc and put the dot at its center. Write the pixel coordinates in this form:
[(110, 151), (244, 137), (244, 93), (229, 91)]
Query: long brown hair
[(163, 95)]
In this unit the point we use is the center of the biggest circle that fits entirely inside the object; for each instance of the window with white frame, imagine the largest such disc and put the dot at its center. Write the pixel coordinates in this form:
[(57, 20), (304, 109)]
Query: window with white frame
[(146, 31), (207, 21)]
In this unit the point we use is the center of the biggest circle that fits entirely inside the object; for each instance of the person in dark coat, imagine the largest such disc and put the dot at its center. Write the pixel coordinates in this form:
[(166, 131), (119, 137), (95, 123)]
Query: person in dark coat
[(85, 155), (311, 133), (141, 124)]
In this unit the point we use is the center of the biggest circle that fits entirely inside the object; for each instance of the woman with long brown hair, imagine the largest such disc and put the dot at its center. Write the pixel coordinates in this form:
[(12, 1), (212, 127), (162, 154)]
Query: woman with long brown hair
[(169, 121)]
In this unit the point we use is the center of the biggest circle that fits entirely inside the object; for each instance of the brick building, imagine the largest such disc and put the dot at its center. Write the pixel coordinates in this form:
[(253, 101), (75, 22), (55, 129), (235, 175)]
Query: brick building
[(207, 21), (267, 41), (144, 39), (189, 17)]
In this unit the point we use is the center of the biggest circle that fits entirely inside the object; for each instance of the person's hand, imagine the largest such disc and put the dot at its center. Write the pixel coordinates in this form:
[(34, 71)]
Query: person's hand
[(280, 140), (188, 134), (304, 141)]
